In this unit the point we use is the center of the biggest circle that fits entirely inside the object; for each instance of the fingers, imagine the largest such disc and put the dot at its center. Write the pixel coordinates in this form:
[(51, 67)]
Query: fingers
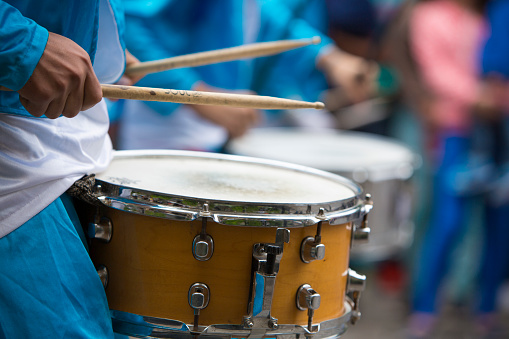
[(92, 93), (63, 82), (242, 121), (36, 109)]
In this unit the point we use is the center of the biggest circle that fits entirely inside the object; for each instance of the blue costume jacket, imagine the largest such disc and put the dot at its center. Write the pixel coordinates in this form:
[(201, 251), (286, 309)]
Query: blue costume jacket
[(24, 34), (159, 29)]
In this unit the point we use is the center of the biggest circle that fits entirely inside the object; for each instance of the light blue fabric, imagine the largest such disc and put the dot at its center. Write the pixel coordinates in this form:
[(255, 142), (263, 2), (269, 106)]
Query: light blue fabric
[(167, 28), (292, 74), (24, 34), (49, 286)]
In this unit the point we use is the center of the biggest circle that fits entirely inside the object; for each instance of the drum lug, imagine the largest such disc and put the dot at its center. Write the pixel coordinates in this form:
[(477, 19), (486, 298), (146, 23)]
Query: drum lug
[(361, 232), (311, 248), (101, 229), (198, 297), (102, 271), (355, 285), (308, 299), (266, 259), (203, 247), (203, 244)]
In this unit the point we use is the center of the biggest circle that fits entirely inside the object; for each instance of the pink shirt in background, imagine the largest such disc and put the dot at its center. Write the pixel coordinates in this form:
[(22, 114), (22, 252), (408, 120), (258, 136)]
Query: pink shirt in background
[(445, 39)]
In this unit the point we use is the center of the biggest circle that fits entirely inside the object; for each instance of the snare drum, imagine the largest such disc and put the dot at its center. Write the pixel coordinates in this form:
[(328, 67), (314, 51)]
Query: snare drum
[(380, 165), (222, 246)]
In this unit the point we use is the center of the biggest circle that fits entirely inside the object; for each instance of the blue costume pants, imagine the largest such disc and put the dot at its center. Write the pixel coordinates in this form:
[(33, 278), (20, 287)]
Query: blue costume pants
[(449, 209), (49, 287)]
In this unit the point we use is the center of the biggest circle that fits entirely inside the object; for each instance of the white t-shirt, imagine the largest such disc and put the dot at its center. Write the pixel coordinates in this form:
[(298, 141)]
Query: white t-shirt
[(41, 158)]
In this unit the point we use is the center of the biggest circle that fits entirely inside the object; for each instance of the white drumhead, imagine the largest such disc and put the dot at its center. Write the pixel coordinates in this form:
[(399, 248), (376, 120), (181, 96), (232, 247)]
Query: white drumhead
[(349, 153), (223, 177)]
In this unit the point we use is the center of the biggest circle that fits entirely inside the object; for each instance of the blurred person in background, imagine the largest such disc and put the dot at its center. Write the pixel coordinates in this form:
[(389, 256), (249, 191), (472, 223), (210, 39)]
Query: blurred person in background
[(166, 28), (494, 138), (356, 27), (443, 80)]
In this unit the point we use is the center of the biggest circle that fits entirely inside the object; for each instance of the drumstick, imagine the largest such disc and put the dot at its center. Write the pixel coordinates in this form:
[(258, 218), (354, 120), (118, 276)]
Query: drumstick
[(204, 98), (220, 55), (200, 98)]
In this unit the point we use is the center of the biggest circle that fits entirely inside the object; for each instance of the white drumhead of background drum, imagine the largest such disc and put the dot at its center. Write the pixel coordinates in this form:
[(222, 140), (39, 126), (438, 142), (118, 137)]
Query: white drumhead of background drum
[(223, 177), (363, 156)]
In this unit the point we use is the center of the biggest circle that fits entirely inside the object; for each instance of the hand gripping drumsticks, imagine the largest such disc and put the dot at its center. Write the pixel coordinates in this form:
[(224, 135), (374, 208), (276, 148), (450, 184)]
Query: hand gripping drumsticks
[(204, 98), (220, 55)]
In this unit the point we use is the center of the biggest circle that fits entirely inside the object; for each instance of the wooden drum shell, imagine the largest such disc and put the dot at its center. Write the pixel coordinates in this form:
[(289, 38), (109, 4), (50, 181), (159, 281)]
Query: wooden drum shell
[(151, 267)]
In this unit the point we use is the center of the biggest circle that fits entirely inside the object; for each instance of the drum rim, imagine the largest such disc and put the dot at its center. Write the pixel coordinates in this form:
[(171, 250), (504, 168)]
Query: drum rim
[(179, 207), (123, 323)]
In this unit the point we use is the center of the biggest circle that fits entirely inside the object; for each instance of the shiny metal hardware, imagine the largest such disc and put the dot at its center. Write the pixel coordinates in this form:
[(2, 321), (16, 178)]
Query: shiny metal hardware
[(203, 247), (308, 299), (361, 234), (368, 205), (199, 296), (311, 248), (361, 230), (102, 271), (266, 259), (203, 244), (356, 283), (101, 229), (139, 326), (120, 194)]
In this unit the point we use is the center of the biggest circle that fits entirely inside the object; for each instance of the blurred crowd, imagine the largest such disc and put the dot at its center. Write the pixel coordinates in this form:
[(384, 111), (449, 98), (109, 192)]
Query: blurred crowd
[(430, 74)]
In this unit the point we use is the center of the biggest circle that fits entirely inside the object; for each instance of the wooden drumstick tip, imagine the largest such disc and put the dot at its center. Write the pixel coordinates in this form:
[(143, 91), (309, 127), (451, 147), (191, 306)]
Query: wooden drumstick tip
[(316, 40), (319, 105)]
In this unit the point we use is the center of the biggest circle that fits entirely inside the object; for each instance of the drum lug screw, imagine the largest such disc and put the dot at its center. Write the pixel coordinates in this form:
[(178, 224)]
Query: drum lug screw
[(361, 232), (368, 205), (203, 244), (321, 214), (248, 322), (308, 298), (205, 212), (273, 324), (199, 296)]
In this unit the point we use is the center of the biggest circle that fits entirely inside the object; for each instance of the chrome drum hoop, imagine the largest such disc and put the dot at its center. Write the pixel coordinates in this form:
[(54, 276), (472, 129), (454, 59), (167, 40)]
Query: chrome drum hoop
[(235, 213), (150, 327)]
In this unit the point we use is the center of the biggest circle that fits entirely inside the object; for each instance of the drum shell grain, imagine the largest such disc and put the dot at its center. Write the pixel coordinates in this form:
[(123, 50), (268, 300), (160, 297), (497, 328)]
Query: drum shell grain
[(151, 267)]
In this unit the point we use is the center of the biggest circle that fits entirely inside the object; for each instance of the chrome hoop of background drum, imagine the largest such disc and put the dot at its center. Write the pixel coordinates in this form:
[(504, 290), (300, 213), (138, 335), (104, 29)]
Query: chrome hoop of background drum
[(380, 165), (225, 246)]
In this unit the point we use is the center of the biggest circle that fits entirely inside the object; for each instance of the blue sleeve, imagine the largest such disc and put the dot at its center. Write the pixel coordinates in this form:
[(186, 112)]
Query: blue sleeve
[(22, 43), (495, 56), (141, 41), (293, 73)]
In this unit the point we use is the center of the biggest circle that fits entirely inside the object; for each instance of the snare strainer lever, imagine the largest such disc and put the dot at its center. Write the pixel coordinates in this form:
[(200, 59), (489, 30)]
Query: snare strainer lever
[(266, 259)]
